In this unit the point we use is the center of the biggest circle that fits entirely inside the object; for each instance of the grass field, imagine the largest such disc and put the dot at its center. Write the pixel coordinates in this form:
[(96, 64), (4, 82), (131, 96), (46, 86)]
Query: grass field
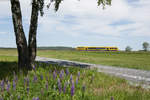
[(42, 84), (136, 60)]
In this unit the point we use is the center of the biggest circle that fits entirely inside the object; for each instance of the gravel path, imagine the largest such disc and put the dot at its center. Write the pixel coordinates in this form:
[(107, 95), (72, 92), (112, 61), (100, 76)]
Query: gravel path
[(134, 76)]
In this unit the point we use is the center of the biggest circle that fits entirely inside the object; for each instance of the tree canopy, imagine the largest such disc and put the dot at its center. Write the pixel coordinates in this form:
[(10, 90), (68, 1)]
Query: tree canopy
[(145, 46), (57, 3)]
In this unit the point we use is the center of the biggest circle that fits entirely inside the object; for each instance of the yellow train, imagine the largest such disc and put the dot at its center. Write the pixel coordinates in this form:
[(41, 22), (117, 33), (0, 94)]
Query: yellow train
[(87, 48)]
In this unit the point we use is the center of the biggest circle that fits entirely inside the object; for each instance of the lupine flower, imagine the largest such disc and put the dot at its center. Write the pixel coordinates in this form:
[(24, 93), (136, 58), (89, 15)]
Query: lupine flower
[(54, 75), (8, 86), (2, 85), (59, 85), (15, 77), (60, 76), (78, 74), (67, 71), (27, 79), (34, 68), (65, 86), (33, 98), (62, 73), (41, 76), (35, 78), (14, 85), (28, 90), (112, 98), (77, 80), (46, 85), (19, 97), (37, 98), (72, 89), (71, 78)]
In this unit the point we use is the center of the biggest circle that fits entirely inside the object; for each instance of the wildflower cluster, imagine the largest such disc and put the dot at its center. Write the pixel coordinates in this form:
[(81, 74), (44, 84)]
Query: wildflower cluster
[(41, 84)]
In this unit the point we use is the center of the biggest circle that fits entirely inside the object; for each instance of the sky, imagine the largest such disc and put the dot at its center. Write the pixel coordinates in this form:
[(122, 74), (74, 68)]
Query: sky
[(83, 23)]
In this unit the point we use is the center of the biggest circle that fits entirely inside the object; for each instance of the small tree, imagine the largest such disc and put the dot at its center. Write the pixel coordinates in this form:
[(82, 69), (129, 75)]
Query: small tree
[(145, 46), (128, 48)]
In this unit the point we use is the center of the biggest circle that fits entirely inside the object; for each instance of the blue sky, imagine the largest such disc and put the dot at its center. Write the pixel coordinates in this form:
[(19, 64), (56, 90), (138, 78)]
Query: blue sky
[(83, 23)]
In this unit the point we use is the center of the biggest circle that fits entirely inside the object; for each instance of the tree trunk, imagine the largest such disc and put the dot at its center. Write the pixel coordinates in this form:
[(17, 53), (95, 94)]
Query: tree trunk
[(32, 33), (19, 33)]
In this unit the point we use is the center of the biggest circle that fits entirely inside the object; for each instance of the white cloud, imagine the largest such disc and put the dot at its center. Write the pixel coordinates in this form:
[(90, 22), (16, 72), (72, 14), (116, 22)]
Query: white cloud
[(95, 20), (84, 18)]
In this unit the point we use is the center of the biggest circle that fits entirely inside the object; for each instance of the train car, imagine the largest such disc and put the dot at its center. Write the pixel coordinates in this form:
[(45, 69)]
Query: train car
[(87, 48)]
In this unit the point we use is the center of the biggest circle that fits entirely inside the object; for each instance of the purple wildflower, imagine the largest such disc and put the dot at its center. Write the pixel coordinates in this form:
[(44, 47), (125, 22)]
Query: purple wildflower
[(28, 90), (27, 79), (67, 71), (78, 74), (59, 85), (72, 89), (37, 98), (77, 80), (15, 77), (60, 76), (2, 85), (112, 98), (65, 86), (46, 85), (41, 76), (33, 98), (71, 78), (54, 75), (8, 86), (62, 73), (34, 68), (14, 85), (35, 78), (19, 97)]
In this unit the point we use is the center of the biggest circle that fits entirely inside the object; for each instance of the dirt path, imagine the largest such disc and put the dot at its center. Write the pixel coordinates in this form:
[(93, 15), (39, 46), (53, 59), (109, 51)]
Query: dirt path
[(135, 77)]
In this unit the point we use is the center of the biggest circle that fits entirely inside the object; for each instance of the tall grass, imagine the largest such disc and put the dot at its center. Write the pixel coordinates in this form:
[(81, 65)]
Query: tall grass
[(49, 82)]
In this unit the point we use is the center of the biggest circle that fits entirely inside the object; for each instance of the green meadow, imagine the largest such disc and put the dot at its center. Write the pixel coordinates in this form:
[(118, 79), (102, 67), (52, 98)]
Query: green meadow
[(52, 82), (136, 60), (41, 84)]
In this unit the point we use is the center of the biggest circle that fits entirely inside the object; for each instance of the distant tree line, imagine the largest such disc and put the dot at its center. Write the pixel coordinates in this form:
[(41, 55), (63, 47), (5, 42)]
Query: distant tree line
[(145, 45)]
